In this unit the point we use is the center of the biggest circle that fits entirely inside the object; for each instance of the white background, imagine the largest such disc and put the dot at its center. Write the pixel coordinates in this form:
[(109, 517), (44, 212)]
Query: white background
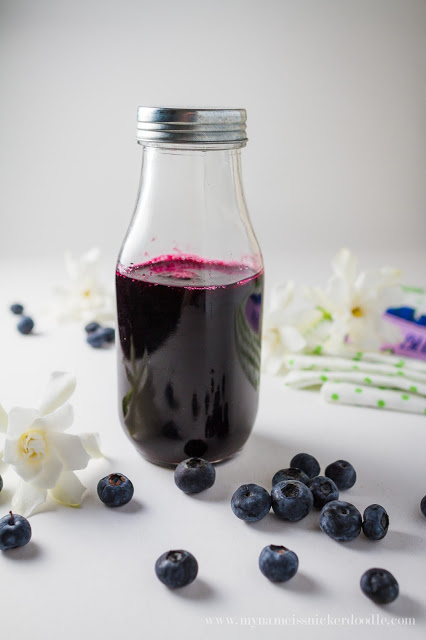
[(334, 90), (335, 93)]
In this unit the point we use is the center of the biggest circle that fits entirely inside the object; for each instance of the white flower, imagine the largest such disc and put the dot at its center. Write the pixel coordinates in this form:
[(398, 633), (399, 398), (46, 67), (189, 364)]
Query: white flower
[(42, 454), (356, 305), (288, 330), (83, 297)]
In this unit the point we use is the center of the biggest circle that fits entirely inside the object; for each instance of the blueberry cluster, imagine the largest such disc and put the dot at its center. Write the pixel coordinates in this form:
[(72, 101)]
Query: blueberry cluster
[(98, 336), (297, 490), (25, 323)]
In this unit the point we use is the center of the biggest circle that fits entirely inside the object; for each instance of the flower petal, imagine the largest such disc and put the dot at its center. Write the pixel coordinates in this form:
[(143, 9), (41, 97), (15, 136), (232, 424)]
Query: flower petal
[(60, 387), (344, 266), (20, 419), (27, 498), (27, 470), (11, 453), (59, 420), (3, 465), (69, 489), (3, 420), (49, 475), (70, 450), (292, 339), (282, 295), (92, 443)]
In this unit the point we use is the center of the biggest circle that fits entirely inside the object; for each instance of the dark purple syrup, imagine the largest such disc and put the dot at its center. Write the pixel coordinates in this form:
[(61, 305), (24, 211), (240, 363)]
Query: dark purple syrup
[(189, 357)]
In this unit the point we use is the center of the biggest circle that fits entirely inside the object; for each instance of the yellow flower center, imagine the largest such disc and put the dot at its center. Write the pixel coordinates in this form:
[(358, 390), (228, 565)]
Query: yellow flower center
[(86, 293), (357, 312), (33, 445)]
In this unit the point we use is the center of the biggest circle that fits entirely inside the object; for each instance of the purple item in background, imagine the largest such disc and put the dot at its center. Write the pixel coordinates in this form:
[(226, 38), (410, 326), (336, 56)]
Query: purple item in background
[(413, 344)]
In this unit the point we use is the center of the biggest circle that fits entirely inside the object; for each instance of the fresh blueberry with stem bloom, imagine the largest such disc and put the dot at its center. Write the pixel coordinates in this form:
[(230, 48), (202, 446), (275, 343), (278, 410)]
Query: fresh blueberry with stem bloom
[(375, 522), (91, 327), (25, 325), (323, 489), (251, 502), (291, 500), (15, 531), (115, 490), (379, 585), (17, 308), (340, 520), (176, 568), (306, 463), (342, 473), (423, 506), (278, 563), (290, 474), (194, 475)]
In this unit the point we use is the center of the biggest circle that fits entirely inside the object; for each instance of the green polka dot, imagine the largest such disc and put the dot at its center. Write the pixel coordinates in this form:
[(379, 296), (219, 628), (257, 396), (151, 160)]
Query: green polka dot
[(382, 388), (324, 378), (368, 380), (425, 412), (413, 390), (400, 373), (291, 362), (326, 369), (400, 364), (380, 403), (335, 396), (405, 397), (355, 366), (358, 390), (317, 349)]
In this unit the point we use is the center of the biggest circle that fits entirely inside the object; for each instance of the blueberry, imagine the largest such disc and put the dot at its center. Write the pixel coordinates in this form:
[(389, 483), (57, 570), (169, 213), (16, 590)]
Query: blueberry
[(423, 506), (96, 339), (323, 489), (251, 502), (306, 463), (91, 327), (115, 490), (176, 568), (16, 308), (25, 325), (291, 500), (379, 585), (108, 334), (1, 483), (340, 520), (15, 531), (290, 474), (375, 522), (277, 563), (342, 473), (194, 475)]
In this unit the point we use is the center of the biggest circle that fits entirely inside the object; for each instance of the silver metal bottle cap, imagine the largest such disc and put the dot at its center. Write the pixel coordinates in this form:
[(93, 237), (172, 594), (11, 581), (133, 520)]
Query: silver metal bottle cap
[(202, 126)]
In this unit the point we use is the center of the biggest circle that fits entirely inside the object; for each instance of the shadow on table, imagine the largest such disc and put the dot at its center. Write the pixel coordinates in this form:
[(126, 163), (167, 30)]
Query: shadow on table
[(197, 590), (31, 551)]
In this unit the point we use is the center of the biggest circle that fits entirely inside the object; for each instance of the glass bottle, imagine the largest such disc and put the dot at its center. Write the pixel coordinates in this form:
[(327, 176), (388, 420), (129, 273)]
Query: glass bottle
[(189, 285)]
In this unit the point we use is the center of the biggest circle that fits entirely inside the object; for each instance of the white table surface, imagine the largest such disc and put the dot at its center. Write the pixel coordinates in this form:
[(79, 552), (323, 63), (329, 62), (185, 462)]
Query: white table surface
[(89, 572)]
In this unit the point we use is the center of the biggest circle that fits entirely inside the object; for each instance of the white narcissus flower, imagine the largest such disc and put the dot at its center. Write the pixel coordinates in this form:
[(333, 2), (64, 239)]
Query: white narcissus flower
[(356, 305), (83, 297), (41, 453), (288, 331)]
